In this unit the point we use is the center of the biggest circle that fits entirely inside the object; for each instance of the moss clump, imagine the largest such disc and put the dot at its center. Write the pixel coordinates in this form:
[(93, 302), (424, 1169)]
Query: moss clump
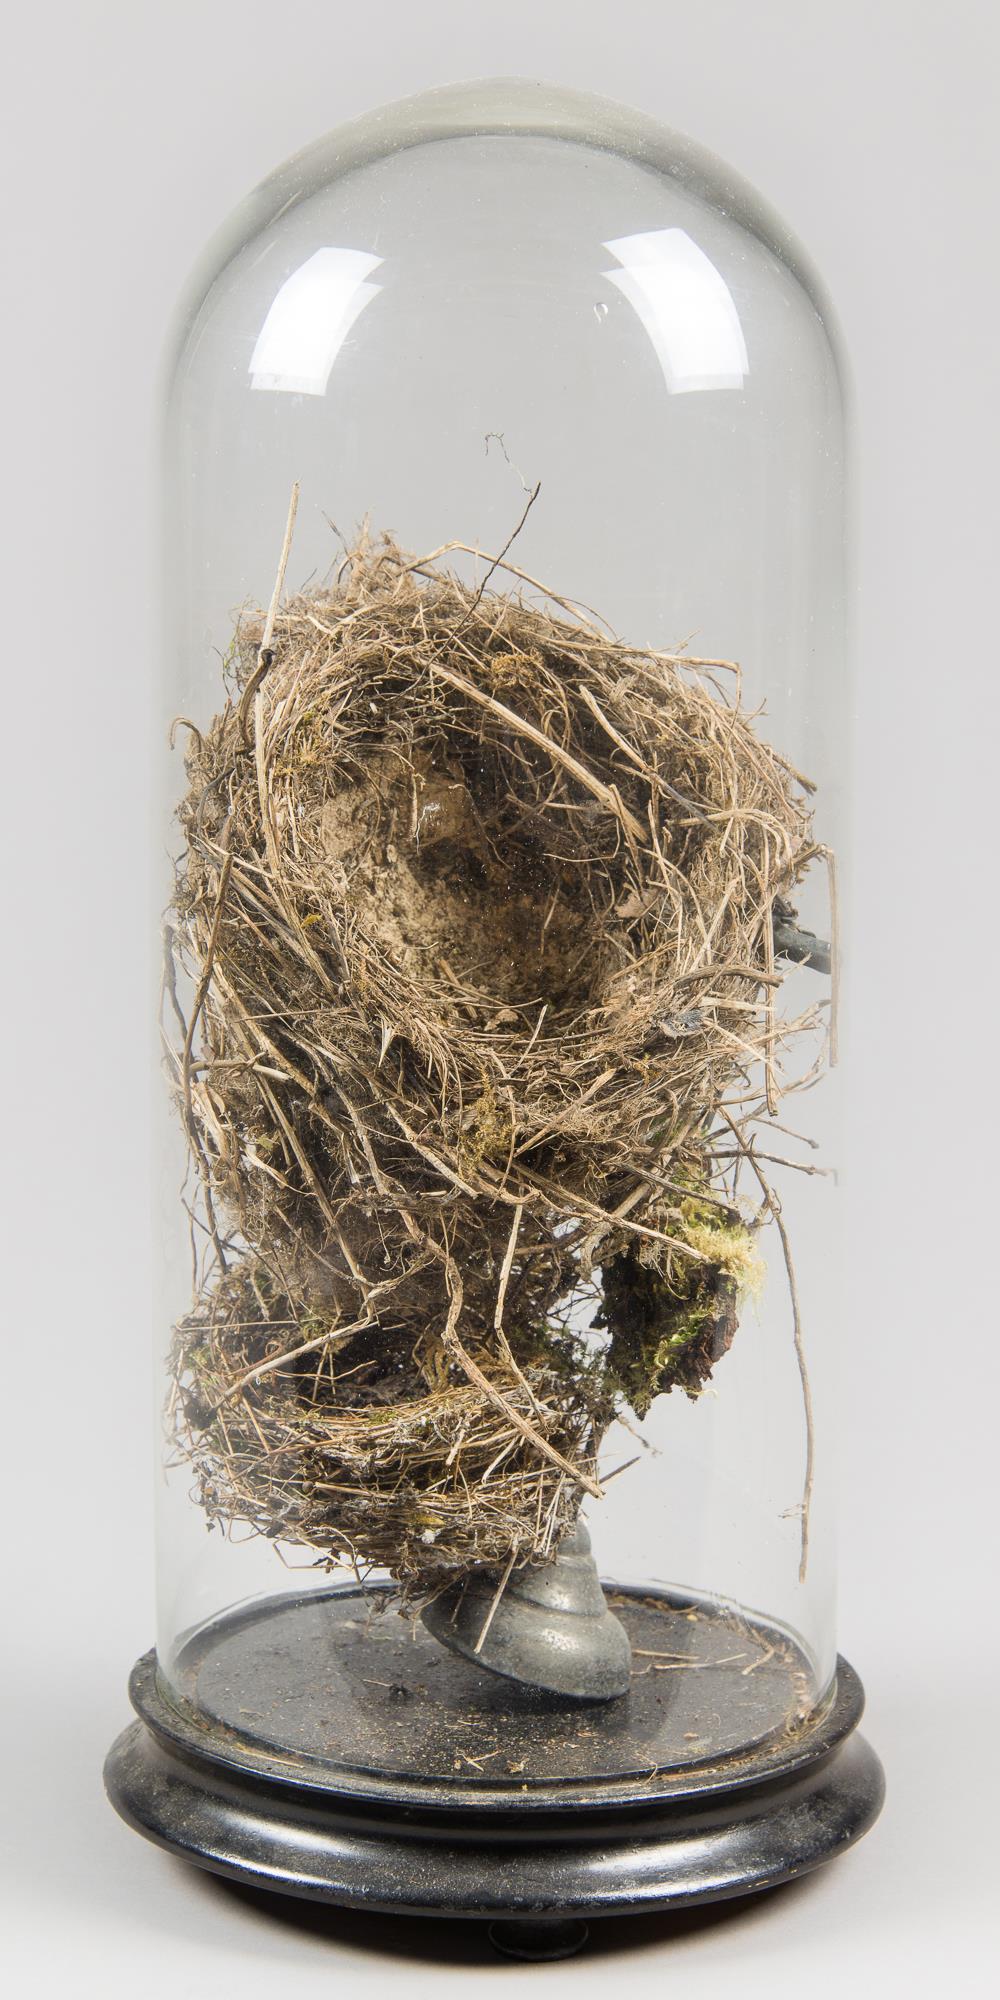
[(668, 1329)]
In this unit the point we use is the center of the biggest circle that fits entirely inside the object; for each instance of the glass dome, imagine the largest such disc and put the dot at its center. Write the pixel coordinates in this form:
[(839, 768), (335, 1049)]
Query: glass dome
[(506, 692)]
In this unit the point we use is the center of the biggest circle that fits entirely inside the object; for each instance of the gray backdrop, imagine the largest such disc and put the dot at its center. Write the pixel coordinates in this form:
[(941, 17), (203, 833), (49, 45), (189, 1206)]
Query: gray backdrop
[(129, 130)]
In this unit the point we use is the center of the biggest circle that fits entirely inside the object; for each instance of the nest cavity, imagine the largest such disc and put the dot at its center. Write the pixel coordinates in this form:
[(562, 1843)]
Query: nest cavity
[(472, 939)]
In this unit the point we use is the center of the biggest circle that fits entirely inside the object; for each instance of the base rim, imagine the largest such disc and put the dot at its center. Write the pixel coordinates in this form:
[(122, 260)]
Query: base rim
[(181, 1721), (622, 1861)]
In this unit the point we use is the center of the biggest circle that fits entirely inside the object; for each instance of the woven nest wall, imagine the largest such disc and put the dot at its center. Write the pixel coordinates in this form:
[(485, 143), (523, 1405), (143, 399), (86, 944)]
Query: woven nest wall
[(472, 949)]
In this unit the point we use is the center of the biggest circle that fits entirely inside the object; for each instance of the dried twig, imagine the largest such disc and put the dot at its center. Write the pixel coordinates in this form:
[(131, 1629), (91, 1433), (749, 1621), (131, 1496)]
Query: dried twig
[(774, 1209)]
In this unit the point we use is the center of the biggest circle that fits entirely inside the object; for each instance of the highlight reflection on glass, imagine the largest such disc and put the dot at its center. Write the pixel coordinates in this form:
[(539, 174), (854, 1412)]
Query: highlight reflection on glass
[(310, 319), (686, 308)]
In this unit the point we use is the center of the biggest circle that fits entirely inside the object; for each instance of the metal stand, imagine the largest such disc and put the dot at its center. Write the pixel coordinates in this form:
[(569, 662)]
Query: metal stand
[(318, 1750), (551, 1628)]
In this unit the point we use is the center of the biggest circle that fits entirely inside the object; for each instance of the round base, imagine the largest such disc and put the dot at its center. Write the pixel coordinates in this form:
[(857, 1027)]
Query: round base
[(570, 1821)]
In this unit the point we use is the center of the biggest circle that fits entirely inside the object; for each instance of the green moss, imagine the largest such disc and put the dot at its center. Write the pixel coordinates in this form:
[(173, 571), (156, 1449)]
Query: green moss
[(670, 1326), (487, 1135)]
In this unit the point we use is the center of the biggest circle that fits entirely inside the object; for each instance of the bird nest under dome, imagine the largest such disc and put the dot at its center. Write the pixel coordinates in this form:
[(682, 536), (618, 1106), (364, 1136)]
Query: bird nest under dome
[(472, 956)]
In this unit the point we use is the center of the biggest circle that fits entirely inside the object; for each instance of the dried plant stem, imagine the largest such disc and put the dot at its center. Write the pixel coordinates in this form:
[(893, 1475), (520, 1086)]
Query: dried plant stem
[(798, 1337), (326, 1339), (835, 962), (264, 655), (495, 1605), (286, 548), (203, 985), (497, 560)]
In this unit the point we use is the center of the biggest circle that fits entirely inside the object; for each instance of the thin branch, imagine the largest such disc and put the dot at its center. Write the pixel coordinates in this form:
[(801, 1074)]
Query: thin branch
[(774, 1207), (495, 1606), (264, 653), (511, 539)]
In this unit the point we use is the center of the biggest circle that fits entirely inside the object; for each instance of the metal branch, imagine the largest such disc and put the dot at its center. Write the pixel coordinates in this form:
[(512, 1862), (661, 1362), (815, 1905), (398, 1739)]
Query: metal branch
[(802, 947)]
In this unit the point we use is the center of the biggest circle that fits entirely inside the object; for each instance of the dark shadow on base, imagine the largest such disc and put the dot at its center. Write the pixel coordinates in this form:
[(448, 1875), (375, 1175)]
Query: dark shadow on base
[(457, 1941)]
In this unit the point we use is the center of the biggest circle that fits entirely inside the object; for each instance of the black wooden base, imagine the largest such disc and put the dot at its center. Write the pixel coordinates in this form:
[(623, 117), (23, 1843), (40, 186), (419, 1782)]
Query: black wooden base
[(535, 1861)]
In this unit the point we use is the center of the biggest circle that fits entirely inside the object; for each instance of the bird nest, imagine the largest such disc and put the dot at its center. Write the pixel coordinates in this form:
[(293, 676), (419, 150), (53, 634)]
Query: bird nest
[(472, 946)]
